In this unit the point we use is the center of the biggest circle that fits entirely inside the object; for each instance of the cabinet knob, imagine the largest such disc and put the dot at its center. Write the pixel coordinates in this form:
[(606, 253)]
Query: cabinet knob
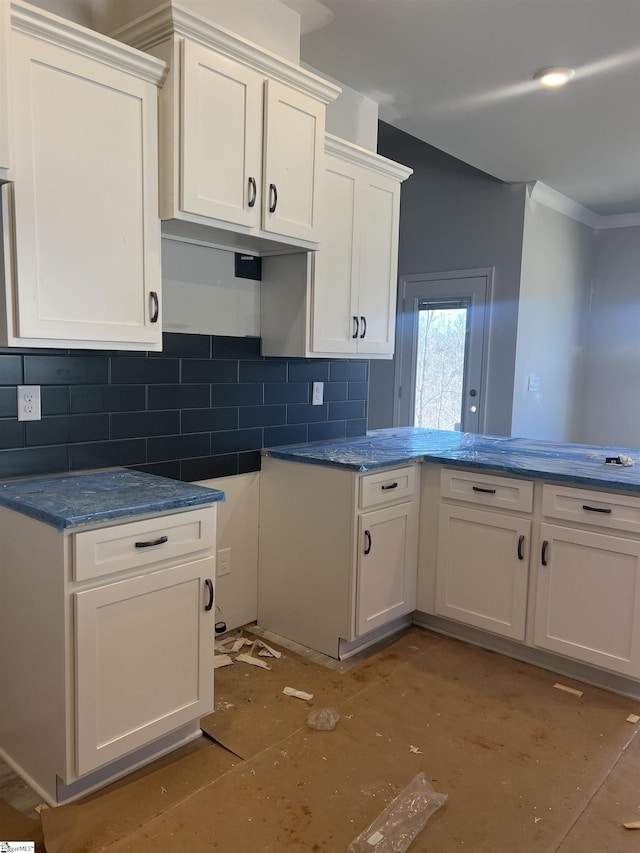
[(273, 198)]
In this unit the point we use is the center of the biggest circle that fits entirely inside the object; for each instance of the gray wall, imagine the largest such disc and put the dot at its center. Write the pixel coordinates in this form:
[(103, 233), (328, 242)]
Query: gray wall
[(557, 264), (453, 217), (612, 386)]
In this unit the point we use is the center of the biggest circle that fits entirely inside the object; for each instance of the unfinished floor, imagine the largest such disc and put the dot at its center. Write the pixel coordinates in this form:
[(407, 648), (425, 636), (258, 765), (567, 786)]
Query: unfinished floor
[(526, 766)]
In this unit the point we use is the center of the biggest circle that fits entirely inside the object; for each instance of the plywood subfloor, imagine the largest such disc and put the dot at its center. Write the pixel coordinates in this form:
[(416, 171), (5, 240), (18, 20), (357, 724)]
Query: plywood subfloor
[(525, 766)]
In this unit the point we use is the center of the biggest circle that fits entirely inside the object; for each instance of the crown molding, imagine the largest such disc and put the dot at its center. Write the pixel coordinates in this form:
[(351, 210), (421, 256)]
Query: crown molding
[(172, 19), (542, 194), (363, 157), (35, 22)]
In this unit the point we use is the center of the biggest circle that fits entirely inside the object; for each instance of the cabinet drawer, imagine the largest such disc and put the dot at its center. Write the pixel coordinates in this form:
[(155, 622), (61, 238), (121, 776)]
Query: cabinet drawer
[(109, 550), (597, 509), (387, 486), (487, 490)]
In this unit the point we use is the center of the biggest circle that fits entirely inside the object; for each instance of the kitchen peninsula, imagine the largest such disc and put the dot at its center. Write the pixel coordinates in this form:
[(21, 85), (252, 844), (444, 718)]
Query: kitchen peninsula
[(527, 547)]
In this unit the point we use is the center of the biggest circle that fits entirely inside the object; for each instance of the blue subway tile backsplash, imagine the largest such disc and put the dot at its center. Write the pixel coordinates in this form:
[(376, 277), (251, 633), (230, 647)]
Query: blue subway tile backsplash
[(202, 408)]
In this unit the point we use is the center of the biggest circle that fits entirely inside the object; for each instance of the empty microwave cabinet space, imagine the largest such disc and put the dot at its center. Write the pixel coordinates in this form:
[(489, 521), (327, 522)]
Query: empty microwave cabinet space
[(338, 553), (106, 624)]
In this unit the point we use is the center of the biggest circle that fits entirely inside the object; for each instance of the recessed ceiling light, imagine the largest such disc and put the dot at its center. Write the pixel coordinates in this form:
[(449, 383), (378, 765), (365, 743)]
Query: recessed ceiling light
[(554, 76)]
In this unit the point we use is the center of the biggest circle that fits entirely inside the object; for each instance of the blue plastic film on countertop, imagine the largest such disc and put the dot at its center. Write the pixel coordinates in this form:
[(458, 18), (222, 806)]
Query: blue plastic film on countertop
[(76, 499), (574, 463)]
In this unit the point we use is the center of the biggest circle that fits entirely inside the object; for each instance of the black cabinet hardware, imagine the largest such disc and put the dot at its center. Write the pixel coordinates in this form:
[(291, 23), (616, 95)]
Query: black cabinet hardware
[(253, 192), (155, 306), (545, 551), (389, 487), (367, 549), (521, 547), (355, 328), (209, 584), (605, 510), (160, 541), (273, 198), (485, 491), (364, 327)]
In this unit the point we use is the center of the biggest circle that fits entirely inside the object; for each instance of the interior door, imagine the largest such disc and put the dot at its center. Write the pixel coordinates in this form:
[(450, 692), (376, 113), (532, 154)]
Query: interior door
[(440, 376)]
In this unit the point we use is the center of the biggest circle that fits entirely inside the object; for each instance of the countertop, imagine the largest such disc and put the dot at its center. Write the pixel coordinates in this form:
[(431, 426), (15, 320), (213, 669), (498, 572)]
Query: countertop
[(581, 464), (72, 500)]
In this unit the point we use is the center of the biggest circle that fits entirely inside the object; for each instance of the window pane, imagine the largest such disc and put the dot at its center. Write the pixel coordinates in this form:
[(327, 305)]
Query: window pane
[(440, 368)]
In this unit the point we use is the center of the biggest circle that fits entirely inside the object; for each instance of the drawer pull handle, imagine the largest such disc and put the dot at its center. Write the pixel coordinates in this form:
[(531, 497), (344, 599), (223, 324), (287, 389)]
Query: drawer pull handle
[(367, 549), (605, 510), (209, 585), (388, 488), (521, 547), (545, 549), (486, 491), (153, 542)]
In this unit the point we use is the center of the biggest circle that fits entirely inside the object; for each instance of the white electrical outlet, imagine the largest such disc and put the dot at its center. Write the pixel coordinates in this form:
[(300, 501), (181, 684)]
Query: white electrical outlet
[(29, 403), (224, 562), (317, 394)]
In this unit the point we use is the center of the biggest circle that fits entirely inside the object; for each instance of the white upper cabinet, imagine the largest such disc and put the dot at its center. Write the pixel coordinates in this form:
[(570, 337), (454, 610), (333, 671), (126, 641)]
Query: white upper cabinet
[(80, 222), (241, 137), (355, 280), (341, 301), (4, 91)]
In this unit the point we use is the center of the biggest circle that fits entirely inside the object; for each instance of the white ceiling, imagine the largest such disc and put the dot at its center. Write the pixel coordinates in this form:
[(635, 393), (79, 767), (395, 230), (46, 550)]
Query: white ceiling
[(458, 75)]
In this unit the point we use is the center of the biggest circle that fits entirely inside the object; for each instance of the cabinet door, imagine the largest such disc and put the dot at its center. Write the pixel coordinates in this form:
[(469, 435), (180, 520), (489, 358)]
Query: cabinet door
[(220, 137), (293, 162), (588, 598), (482, 569), (379, 212), (4, 88), (144, 660), (387, 565), (87, 234), (335, 305)]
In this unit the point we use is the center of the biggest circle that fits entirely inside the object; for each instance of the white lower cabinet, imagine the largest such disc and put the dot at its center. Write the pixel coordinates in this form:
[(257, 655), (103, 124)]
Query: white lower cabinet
[(551, 566), (483, 569), (116, 664), (337, 552), (143, 653), (588, 597), (386, 577)]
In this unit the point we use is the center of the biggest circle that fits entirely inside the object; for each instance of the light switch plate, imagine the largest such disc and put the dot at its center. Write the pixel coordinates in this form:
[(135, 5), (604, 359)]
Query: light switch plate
[(317, 394)]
